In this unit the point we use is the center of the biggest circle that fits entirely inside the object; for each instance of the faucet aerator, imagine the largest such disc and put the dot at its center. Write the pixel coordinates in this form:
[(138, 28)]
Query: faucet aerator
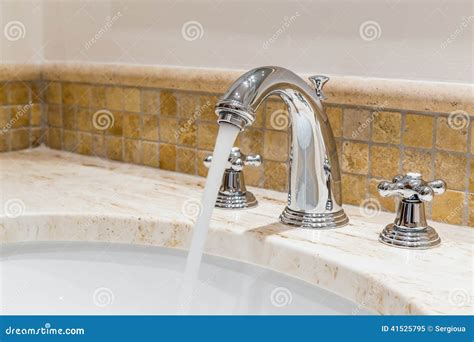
[(235, 114)]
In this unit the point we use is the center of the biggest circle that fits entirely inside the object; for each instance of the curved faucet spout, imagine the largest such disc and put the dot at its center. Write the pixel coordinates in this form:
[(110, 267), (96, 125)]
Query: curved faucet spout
[(314, 197)]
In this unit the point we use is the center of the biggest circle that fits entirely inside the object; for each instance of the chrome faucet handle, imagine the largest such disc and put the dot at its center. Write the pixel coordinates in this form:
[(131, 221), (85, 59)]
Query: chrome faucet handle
[(233, 194), (410, 229), (319, 81), (253, 160), (412, 187), (237, 160)]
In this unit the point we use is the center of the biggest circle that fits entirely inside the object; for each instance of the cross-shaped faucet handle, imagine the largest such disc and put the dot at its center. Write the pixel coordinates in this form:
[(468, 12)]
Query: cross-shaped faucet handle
[(412, 187), (237, 160)]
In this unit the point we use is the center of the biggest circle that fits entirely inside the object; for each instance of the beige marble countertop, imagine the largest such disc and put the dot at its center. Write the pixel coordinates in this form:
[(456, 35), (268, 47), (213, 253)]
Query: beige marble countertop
[(67, 197)]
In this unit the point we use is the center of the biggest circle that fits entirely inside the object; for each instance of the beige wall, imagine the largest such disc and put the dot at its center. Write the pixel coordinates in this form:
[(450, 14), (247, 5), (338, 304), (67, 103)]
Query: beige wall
[(306, 36), (21, 36)]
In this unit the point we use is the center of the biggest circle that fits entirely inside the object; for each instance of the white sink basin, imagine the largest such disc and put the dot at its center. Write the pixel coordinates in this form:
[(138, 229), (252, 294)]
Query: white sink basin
[(99, 278)]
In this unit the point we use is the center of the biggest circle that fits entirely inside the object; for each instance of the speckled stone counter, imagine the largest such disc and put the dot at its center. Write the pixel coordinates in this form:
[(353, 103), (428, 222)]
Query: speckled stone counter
[(49, 195)]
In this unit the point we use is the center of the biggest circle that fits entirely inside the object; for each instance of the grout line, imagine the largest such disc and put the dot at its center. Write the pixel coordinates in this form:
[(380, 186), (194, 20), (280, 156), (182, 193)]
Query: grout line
[(372, 116), (433, 151), (402, 146), (388, 109), (467, 193)]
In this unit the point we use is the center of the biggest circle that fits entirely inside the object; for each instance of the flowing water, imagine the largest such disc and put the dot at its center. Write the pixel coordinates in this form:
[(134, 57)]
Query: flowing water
[(224, 143)]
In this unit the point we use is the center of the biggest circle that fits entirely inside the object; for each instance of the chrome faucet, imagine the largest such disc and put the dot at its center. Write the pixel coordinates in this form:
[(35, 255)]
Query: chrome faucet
[(314, 196)]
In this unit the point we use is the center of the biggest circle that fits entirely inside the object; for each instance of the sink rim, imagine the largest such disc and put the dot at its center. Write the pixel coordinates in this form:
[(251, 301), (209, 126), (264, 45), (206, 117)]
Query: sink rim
[(76, 252), (46, 229)]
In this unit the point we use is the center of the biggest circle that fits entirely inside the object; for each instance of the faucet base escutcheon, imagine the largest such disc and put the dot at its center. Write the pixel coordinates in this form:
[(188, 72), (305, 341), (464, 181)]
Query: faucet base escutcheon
[(238, 200), (410, 238), (314, 221)]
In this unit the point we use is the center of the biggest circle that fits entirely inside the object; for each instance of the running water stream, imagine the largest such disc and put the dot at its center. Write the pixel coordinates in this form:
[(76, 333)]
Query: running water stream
[(224, 143)]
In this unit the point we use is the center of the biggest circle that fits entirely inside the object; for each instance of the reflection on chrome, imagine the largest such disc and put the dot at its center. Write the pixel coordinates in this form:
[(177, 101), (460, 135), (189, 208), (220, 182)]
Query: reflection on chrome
[(314, 196)]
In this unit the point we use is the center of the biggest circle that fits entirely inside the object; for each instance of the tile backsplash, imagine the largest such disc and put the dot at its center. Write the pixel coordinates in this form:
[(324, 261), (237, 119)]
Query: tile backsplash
[(20, 115), (174, 129)]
